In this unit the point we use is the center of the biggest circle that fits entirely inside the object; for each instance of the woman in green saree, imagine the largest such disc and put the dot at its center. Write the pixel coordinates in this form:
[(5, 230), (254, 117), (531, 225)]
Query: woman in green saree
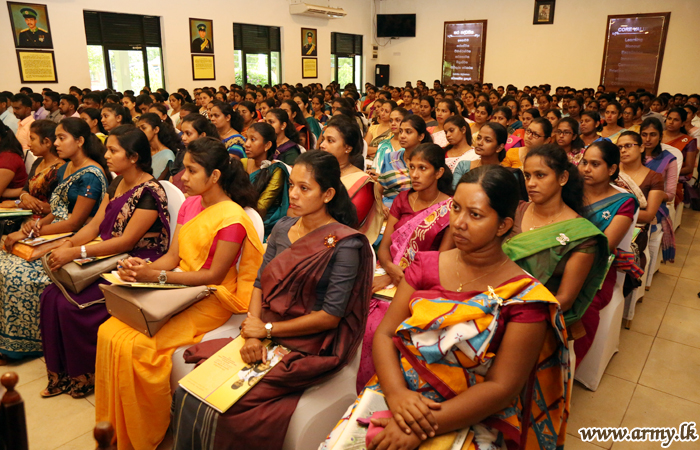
[(552, 241)]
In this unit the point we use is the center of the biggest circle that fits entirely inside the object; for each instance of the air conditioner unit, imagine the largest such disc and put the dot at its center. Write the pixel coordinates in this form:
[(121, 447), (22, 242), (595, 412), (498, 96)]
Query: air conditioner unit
[(306, 9)]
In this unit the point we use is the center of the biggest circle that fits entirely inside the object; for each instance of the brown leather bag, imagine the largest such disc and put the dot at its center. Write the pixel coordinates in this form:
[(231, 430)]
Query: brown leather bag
[(75, 277), (148, 309)]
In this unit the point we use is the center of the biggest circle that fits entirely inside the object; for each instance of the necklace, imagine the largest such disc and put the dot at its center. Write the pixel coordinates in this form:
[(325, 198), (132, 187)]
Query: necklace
[(413, 204), (299, 225), (125, 189), (544, 218), (478, 278)]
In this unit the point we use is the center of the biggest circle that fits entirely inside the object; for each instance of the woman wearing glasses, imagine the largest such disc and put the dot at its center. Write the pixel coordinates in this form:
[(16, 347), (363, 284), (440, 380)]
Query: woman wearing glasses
[(568, 138), (538, 132)]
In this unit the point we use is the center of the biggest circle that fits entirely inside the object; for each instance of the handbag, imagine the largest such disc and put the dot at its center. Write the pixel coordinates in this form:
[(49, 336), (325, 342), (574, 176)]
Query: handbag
[(147, 310), (76, 277)]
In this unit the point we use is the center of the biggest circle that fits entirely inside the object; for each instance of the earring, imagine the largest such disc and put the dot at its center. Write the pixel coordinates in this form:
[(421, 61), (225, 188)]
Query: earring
[(562, 185)]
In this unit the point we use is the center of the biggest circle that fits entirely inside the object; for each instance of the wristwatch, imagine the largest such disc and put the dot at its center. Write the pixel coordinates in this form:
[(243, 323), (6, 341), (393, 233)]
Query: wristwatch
[(268, 328), (163, 277), (83, 252), (17, 202)]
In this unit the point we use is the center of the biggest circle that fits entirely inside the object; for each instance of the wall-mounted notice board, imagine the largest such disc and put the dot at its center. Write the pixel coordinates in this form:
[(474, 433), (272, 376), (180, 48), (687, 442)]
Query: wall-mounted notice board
[(634, 51), (463, 52)]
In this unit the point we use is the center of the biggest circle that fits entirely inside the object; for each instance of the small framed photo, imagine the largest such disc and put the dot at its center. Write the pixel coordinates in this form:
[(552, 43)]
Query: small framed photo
[(544, 12), (201, 33), (309, 68), (37, 66), (203, 67), (30, 25), (308, 42)]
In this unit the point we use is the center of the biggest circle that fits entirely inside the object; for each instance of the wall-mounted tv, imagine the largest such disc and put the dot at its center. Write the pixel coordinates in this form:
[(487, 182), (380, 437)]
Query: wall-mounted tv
[(396, 25)]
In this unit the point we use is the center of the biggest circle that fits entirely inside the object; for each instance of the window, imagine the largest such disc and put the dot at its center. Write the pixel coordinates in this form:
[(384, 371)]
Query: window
[(256, 54), (124, 51), (346, 59)]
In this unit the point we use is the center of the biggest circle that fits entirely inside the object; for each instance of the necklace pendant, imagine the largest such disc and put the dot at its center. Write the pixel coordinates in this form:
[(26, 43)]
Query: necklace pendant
[(459, 289)]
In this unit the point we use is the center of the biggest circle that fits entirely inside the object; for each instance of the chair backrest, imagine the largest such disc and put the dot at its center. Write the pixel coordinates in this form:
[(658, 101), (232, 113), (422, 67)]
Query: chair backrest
[(29, 159), (175, 200), (13, 423), (626, 242), (314, 141), (677, 153), (259, 227)]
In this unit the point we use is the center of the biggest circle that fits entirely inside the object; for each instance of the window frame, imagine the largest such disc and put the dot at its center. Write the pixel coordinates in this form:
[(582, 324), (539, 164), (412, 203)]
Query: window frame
[(357, 47), (248, 47)]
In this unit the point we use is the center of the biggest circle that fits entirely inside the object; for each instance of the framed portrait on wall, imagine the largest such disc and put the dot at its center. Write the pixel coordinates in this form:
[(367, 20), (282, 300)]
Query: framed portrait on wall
[(30, 25), (37, 66), (308, 42), (201, 32), (544, 12)]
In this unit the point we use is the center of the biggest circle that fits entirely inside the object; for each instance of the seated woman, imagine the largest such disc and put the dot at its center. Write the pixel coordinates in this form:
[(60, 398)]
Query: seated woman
[(575, 108), (74, 201), (514, 122), (247, 111), (527, 116), (417, 221), (392, 171), (227, 123), (13, 172), (342, 139), (439, 371), (662, 161), (590, 129), (132, 370), (612, 212), (287, 149), (554, 116), (445, 109), (318, 106), (302, 100), (614, 123), (568, 138), (381, 130), (43, 175), (550, 239), (393, 144), (324, 329), (459, 152), (677, 136), (92, 117), (537, 133), (503, 115), (164, 144), (489, 148), (114, 115), (482, 115), (297, 118), (193, 127), (270, 178), (133, 217)]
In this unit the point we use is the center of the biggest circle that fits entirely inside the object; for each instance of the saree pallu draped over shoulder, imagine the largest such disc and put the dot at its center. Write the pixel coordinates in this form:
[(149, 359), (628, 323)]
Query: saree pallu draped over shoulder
[(133, 371), (259, 420), (445, 349), (539, 251)]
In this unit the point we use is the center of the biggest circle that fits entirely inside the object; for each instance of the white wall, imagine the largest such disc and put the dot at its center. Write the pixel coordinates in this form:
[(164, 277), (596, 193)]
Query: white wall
[(68, 31), (568, 52)]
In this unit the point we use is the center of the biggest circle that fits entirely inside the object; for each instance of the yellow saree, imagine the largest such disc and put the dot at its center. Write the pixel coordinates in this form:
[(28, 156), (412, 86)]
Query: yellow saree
[(133, 371)]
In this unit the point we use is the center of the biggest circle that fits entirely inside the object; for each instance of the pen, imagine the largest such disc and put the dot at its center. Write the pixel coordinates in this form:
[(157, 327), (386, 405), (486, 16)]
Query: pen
[(31, 233)]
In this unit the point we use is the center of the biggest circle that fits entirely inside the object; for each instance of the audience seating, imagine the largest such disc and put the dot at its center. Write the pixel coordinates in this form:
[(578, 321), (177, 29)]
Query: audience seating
[(13, 423), (175, 200), (29, 159), (607, 338)]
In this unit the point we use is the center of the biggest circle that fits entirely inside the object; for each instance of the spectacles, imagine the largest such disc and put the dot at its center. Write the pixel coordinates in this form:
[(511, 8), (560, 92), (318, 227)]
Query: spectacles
[(563, 132), (533, 134), (627, 146)]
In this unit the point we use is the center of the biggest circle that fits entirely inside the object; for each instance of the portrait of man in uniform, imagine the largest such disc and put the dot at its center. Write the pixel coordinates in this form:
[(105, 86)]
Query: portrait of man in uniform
[(308, 42), (30, 25), (201, 36)]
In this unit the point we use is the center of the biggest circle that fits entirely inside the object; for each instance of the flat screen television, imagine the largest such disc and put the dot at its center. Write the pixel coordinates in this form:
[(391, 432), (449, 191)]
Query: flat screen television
[(396, 25)]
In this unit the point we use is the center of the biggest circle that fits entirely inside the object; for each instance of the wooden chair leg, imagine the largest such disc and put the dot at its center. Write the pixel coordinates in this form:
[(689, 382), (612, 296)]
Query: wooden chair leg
[(104, 434), (13, 422)]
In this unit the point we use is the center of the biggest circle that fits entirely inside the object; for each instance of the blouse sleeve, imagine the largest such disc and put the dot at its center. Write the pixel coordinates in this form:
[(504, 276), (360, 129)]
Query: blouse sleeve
[(342, 278), (627, 209), (461, 168), (414, 273), (527, 312), (671, 177), (90, 186), (398, 204), (364, 201), (271, 192), (271, 250)]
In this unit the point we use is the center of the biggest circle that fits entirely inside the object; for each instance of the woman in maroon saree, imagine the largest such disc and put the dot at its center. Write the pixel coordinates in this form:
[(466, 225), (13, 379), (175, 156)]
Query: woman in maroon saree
[(313, 288), (69, 325)]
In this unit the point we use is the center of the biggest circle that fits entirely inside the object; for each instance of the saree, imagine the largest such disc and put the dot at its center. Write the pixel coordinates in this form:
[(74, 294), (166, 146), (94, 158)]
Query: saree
[(601, 214), (445, 349), (259, 420), (132, 372), (540, 252), (274, 199), (234, 145), (378, 139), (287, 153), (22, 282), (371, 223), (383, 148), (685, 144), (422, 232), (69, 333), (392, 175), (663, 218), (43, 182)]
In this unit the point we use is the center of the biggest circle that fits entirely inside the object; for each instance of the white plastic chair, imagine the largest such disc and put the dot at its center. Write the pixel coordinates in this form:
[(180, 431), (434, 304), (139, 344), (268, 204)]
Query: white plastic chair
[(607, 338), (228, 329), (175, 200), (29, 159)]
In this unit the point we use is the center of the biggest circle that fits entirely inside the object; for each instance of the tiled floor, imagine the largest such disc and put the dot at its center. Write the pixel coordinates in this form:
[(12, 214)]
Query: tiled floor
[(652, 381)]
